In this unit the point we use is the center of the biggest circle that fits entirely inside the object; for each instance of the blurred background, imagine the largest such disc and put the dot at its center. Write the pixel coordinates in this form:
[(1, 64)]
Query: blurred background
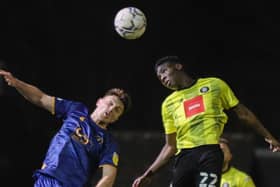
[(70, 49)]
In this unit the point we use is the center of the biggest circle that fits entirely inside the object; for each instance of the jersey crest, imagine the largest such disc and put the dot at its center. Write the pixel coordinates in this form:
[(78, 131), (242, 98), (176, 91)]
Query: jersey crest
[(115, 158)]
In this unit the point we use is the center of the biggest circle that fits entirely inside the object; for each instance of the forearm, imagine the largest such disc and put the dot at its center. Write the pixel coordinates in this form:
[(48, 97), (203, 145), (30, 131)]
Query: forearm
[(168, 150), (250, 119), (259, 128), (29, 92), (109, 174), (163, 158), (106, 181)]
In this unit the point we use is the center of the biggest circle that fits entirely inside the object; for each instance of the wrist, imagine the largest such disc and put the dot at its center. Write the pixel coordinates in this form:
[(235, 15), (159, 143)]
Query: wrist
[(149, 173)]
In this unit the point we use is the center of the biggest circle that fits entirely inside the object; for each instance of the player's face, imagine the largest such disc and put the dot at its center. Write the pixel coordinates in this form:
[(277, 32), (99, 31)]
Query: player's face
[(169, 76), (226, 151), (109, 108)]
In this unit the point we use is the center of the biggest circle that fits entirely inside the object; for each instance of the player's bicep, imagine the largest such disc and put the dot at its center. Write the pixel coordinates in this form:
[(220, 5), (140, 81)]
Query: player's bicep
[(171, 139), (109, 170), (170, 145), (241, 111), (109, 173), (48, 102)]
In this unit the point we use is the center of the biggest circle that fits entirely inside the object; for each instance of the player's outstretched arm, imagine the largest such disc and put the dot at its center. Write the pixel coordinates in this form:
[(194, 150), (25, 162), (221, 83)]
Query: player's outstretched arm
[(168, 150), (30, 92), (247, 116), (109, 174)]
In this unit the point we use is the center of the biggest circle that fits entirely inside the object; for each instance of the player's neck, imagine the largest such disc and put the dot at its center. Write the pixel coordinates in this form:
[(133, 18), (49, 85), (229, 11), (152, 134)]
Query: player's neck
[(187, 83), (98, 121), (102, 125), (190, 82)]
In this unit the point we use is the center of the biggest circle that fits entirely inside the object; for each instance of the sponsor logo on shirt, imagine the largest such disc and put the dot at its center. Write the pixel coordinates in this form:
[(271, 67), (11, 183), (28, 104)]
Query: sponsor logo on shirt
[(194, 106)]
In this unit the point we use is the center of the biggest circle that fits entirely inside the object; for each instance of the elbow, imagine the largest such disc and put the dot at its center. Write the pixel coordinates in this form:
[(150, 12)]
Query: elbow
[(42, 98), (171, 149), (245, 119)]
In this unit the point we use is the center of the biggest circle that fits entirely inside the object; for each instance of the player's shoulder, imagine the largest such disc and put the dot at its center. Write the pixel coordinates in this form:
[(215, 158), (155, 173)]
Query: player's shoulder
[(212, 79), (218, 81), (240, 172), (111, 140), (77, 105), (169, 98)]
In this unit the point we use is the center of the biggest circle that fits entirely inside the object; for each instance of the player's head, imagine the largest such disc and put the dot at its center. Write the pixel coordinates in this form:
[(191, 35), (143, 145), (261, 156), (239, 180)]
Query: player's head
[(168, 60), (170, 71), (123, 96), (112, 105), (225, 146)]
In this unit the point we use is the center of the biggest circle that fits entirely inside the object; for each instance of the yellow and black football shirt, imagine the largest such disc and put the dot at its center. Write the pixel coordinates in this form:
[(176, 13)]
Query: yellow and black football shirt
[(196, 113), (236, 178)]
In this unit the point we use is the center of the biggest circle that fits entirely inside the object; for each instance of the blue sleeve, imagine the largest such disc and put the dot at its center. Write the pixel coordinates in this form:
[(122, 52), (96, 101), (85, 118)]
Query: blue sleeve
[(63, 107), (110, 155)]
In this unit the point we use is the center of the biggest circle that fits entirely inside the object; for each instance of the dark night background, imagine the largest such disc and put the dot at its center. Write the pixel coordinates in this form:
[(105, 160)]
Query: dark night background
[(70, 49)]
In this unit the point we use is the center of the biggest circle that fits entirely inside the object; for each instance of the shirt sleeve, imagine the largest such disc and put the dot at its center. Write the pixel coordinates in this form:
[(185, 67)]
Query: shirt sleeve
[(167, 120), (63, 107), (247, 181), (229, 99), (110, 155)]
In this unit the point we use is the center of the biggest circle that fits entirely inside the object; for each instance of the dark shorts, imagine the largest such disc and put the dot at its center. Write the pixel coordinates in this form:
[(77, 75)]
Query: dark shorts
[(198, 167), (42, 180)]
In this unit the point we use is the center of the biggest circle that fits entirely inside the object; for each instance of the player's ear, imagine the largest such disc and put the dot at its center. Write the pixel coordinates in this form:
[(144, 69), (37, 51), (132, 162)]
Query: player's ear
[(230, 156), (98, 101), (178, 66)]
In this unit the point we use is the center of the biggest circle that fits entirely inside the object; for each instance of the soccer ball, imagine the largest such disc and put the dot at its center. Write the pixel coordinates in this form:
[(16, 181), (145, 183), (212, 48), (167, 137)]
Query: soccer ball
[(130, 23)]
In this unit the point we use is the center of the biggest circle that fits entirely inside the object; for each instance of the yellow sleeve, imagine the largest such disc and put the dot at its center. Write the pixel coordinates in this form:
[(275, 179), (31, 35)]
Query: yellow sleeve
[(229, 99), (167, 120), (247, 182)]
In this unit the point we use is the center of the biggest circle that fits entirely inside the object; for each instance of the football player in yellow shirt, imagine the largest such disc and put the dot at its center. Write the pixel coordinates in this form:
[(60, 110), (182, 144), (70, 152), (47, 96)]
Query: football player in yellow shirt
[(231, 176), (193, 118)]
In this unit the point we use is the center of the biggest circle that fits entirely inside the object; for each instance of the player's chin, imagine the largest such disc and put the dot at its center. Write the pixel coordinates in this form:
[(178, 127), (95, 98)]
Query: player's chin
[(166, 85), (110, 120), (171, 87)]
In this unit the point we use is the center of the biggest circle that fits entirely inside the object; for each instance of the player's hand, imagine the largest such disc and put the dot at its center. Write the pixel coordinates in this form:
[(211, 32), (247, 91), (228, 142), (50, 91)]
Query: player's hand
[(274, 145), (142, 181), (8, 77)]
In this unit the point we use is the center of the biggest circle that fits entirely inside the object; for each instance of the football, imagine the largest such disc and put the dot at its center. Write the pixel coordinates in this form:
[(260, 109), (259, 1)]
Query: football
[(130, 23)]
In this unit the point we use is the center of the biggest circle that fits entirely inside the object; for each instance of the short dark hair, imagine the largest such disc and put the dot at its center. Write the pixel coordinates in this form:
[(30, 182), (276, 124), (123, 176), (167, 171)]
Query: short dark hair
[(122, 95), (168, 59)]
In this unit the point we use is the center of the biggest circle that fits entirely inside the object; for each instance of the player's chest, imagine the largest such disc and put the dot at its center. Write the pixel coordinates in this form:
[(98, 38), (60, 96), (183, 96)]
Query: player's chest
[(85, 136)]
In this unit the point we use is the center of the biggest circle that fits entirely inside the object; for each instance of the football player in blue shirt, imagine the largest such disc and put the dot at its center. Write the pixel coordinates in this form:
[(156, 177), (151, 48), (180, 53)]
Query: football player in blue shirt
[(82, 144)]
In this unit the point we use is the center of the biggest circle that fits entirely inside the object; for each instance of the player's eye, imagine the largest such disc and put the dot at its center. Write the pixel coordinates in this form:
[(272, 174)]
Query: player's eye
[(118, 109), (111, 103), (163, 70)]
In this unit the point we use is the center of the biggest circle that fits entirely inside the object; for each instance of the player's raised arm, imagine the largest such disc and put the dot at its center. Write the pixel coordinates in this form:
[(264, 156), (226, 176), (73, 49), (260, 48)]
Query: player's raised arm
[(247, 116), (28, 91)]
